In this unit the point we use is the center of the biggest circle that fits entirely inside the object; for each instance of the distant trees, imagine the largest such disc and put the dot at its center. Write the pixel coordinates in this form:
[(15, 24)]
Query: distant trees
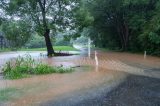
[(127, 25), (45, 16), (17, 33), (132, 25)]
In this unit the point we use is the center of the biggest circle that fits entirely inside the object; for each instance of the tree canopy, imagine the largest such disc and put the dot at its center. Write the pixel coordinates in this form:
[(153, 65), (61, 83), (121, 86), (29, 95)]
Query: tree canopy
[(127, 25), (45, 16), (124, 24)]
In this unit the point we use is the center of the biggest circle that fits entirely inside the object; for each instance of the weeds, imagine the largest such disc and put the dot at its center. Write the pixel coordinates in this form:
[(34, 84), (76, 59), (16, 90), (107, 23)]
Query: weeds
[(22, 67)]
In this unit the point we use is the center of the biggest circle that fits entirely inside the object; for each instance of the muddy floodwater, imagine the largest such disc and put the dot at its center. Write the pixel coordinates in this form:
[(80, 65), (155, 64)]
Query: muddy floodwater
[(89, 85)]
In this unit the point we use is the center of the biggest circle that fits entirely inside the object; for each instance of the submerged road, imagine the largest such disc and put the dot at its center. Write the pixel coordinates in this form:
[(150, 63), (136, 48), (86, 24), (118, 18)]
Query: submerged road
[(139, 86), (121, 79)]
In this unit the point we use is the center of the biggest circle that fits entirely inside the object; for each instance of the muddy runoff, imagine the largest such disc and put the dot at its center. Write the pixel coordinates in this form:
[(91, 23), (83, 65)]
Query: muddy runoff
[(40, 89), (113, 69)]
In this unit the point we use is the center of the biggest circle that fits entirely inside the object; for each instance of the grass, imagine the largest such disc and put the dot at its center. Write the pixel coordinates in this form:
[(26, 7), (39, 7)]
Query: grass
[(23, 67), (4, 50), (56, 48), (9, 93)]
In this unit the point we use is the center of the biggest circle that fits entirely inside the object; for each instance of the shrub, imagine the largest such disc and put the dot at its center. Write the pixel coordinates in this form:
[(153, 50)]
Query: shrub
[(63, 70), (25, 66), (36, 41), (43, 69)]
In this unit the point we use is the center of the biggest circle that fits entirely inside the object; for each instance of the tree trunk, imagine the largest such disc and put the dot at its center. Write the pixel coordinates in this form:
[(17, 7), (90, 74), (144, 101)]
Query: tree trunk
[(49, 46), (126, 35), (120, 37), (123, 31)]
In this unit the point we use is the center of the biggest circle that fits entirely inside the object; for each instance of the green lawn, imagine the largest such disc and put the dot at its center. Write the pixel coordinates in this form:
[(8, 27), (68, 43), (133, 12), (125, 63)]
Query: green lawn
[(56, 48), (4, 50)]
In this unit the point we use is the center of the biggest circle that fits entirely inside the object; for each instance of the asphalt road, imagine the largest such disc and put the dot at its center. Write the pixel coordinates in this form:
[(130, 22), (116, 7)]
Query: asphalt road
[(134, 91)]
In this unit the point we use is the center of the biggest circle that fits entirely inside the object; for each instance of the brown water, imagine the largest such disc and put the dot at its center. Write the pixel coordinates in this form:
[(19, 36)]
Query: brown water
[(112, 70)]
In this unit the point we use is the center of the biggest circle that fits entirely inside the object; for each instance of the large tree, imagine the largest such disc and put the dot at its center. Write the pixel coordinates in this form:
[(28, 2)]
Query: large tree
[(46, 16)]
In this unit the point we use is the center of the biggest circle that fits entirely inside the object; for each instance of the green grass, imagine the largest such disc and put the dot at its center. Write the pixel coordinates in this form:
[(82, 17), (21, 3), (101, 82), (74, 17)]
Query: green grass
[(4, 50), (9, 93), (56, 48), (22, 67)]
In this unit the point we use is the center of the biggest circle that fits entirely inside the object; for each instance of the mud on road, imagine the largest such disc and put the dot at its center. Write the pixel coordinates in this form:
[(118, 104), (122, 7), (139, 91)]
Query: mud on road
[(121, 79)]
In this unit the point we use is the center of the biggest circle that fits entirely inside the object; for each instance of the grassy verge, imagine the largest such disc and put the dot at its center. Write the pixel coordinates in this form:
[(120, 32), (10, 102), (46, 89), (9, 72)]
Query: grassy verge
[(56, 48), (4, 50), (22, 67)]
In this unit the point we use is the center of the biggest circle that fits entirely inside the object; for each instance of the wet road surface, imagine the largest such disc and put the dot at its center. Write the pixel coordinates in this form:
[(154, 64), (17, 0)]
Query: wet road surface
[(121, 79)]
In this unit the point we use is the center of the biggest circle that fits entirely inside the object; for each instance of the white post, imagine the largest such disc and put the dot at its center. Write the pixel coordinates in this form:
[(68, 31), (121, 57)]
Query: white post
[(145, 54), (96, 58), (89, 47)]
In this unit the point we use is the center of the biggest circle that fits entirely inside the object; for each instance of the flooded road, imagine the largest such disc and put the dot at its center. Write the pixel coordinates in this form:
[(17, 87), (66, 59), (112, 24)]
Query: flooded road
[(88, 84)]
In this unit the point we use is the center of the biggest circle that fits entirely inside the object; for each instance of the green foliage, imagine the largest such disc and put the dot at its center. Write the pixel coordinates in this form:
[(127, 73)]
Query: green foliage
[(154, 38), (35, 42), (83, 16), (1, 21), (45, 69), (17, 32), (62, 43), (45, 16), (132, 25), (19, 67), (57, 48), (22, 67), (65, 48)]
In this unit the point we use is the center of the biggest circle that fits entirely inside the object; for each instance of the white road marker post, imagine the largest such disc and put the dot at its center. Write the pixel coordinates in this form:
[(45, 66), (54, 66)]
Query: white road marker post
[(145, 54), (96, 59), (89, 47)]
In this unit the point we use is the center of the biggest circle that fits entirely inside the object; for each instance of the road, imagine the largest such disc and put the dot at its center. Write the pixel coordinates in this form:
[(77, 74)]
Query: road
[(121, 79)]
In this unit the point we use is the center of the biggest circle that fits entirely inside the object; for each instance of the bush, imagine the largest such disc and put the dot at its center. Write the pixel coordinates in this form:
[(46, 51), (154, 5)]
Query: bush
[(36, 42), (45, 69), (62, 43), (26, 66)]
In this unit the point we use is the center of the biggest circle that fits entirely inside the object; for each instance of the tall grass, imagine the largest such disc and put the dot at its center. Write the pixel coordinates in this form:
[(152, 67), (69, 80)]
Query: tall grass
[(26, 66)]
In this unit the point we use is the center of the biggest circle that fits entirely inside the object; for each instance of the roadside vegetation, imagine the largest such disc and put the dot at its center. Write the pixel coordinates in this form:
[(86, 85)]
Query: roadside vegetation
[(120, 25), (23, 67)]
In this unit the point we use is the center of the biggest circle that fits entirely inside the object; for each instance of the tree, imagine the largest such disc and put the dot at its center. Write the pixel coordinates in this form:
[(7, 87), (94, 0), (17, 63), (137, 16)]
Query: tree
[(127, 24), (17, 32), (46, 16)]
